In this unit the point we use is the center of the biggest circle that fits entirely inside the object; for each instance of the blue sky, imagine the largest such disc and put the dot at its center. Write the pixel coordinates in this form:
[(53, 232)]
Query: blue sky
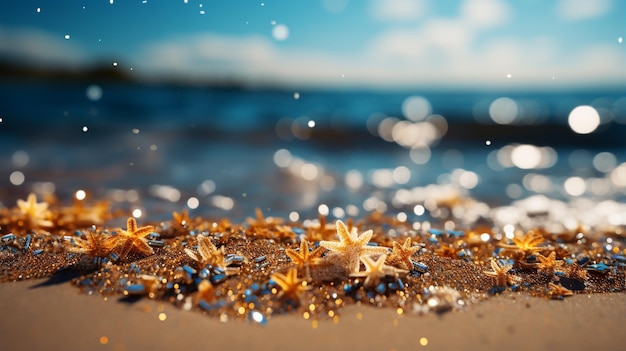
[(377, 43)]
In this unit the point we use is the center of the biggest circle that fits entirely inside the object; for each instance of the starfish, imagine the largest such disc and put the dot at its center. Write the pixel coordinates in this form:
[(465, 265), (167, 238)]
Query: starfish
[(500, 272), (558, 292), (261, 222), (96, 246), (376, 270), (352, 246), (181, 219), (526, 244), (401, 255), (322, 230), (291, 287), (37, 213), (548, 264), (304, 258), (132, 239), (207, 253), (80, 215)]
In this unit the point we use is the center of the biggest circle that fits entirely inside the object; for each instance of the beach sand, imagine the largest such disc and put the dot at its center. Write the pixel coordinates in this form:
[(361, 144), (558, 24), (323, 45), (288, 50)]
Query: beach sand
[(59, 317)]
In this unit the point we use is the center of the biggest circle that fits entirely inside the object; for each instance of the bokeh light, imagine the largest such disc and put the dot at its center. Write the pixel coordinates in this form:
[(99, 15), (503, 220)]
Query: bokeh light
[(584, 119)]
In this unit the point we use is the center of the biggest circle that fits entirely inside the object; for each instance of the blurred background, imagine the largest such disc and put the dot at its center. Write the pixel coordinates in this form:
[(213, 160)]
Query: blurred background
[(339, 107)]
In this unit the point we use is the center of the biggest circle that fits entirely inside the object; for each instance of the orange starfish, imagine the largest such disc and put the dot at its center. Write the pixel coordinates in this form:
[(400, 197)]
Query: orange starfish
[(548, 264), (401, 255), (36, 213), (376, 270), (207, 253), (181, 219), (558, 292), (304, 258), (291, 287), (96, 246), (526, 244), (132, 239), (500, 272), (261, 222), (352, 246)]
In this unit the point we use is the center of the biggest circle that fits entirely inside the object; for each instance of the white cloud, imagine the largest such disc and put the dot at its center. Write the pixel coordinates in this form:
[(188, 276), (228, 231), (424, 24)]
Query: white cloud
[(437, 52), (252, 59), (485, 13), (582, 9), (38, 47), (398, 10), (334, 6)]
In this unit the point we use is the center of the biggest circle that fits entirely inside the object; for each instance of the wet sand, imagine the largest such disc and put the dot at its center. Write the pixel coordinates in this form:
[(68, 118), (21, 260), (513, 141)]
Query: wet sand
[(58, 317)]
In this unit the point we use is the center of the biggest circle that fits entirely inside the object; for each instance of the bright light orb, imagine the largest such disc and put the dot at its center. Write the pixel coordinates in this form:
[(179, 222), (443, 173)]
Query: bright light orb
[(526, 156), (503, 110), (416, 108), (575, 186), (584, 119)]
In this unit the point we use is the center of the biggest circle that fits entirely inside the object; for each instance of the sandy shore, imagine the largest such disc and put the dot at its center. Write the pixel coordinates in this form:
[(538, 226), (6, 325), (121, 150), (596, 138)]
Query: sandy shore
[(60, 318)]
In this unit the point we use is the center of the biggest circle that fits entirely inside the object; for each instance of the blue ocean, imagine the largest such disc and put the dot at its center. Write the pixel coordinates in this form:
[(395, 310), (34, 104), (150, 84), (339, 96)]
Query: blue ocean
[(225, 151)]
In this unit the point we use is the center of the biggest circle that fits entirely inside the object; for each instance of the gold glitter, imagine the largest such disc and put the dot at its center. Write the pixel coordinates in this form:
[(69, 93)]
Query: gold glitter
[(241, 310), (162, 316), (306, 315), (399, 311), (423, 341), (104, 340), (359, 316), (394, 322), (331, 313), (336, 319), (314, 324), (311, 307)]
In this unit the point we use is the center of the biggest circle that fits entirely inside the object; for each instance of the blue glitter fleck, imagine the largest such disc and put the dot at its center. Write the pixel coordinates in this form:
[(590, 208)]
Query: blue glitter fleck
[(598, 267), (27, 243), (455, 233), (8, 237), (436, 232), (157, 243)]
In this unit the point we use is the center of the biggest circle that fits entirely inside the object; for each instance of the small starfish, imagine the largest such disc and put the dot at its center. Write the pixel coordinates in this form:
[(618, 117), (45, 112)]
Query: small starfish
[(401, 255), (322, 230), (304, 258), (96, 246), (558, 292), (352, 246), (500, 272), (261, 222), (80, 215), (526, 244), (207, 253), (132, 239), (37, 213), (291, 287), (376, 270), (548, 265), (448, 250), (181, 219)]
